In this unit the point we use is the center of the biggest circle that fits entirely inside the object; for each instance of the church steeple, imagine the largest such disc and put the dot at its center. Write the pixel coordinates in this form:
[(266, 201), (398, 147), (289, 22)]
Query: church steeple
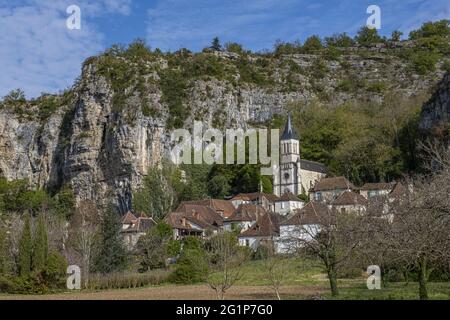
[(289, 132)]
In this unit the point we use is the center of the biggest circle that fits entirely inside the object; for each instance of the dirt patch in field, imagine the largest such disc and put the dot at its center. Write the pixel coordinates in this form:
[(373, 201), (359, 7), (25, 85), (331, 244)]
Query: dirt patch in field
[(172, 292)]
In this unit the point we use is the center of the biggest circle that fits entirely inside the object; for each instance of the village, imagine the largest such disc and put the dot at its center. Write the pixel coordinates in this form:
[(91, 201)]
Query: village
[(274, 220)]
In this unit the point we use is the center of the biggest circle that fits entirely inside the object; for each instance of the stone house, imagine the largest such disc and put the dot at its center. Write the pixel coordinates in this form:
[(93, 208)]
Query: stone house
[(350, 202), (194, 220), (287, 204), (370, 190), (133, 227), (262, 232), (328, 189), (266, 200), (303, 225)]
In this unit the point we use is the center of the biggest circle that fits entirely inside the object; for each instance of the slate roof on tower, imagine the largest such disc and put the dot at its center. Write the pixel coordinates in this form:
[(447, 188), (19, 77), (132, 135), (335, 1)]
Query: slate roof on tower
[(289, 132)]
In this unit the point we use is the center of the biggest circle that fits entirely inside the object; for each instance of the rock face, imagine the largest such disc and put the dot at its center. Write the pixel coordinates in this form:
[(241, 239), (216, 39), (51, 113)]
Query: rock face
[(435, 115), (102, 151)]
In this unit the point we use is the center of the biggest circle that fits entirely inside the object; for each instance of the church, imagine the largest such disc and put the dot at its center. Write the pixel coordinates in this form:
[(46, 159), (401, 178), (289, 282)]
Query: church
[(294, 174)]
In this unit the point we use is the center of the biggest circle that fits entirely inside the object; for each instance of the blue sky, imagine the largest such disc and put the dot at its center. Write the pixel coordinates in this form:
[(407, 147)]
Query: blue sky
[(39, 54)]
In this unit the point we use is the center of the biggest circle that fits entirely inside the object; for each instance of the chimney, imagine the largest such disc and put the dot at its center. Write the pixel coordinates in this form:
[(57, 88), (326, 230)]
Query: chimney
[(195, 214)]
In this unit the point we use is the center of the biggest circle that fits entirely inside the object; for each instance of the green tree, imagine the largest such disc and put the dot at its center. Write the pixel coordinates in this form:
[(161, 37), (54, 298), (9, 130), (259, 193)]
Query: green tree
[(192, 265), (396, 35), (215, 44), (218, 186), (15, 96), (40, 248), (159, 191), (431, 29), (4, 255), (112, 254), (312, 44), (367, 36), (341, 40), (65, 202), (25, 248)]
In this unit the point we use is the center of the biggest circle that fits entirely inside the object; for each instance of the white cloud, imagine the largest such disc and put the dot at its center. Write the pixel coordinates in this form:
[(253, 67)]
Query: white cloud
[(38, 53)]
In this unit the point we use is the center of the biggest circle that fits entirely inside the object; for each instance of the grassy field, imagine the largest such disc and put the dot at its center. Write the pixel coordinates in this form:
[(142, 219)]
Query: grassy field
[(301, 280)]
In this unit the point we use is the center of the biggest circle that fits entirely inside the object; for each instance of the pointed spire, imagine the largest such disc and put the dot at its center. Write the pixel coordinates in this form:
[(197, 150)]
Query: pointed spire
[(289, 132)]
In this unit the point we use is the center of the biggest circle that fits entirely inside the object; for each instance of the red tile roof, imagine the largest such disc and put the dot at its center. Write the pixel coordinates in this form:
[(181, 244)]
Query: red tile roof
[(350, 198), (266, 226), (129, 218), (255, 196), (312, 213), (224, 206), (335, 183), (247, 212), (377, 186)]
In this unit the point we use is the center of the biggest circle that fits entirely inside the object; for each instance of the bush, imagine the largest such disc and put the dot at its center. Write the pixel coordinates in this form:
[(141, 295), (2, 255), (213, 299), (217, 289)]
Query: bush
[(173, 248), (263, 252), (55, 271), (191, 267), (31, 284), (126, 281), (424, 62), (6, 285)]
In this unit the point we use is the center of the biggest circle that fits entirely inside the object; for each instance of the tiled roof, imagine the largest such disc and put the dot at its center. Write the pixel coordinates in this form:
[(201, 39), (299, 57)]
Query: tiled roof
[(224, 206), (334, 183), (141, 225), (312, 213), (204, 213), (377, 186), (247, 212), (313, 166), (254, 196), (129, 218), (266, 226), (350, 198), (175, 220)]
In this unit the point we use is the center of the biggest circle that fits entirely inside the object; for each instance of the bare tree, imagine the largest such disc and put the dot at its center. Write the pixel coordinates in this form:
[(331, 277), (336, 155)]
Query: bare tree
[(225, 259), (275, 269), (84, 235), (328, 235), (418, 236)]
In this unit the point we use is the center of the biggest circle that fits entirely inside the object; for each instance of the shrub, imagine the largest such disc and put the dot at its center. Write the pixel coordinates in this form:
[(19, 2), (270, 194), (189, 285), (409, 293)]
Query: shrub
[(126, 281), (55, 271), (263, 252), (367, 36), (173, 248), (6, 285), (424, 62), (191, 267)]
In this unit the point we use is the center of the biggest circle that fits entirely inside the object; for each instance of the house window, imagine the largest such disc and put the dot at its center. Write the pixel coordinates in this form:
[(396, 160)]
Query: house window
[(282, 205), (318, 196), (247, 243)]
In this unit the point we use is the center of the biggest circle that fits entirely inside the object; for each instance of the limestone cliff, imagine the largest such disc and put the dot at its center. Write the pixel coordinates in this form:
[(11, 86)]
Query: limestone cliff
[(104, 133), (435, 115)]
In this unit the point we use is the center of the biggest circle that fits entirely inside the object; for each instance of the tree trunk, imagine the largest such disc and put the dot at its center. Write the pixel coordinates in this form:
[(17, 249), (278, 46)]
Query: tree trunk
[(423, 292), (332, 276), (278, 294)]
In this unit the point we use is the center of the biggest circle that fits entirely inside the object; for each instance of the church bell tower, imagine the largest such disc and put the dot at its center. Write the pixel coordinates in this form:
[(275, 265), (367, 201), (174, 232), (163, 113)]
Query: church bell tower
[(287, 176)]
